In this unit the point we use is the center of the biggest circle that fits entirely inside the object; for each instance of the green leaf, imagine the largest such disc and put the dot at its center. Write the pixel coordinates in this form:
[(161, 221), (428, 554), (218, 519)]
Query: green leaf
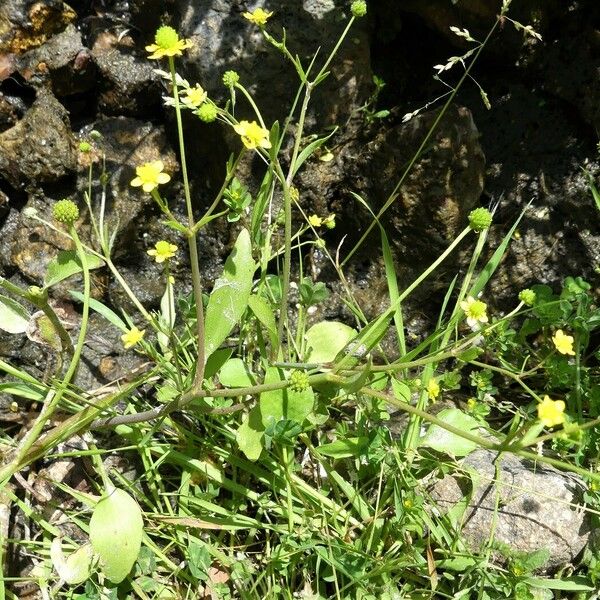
[(67, 263), (260, 206), (13, 317), (116, 530), (264, 313), (176, 225), (401, 390), (101, 309), (365, 341), (229, 298), (235, 373), (310, 149), (250, 434), (23, 390), (442, 440), (345, 448), (216, 360), (167, 315), (326, 339), (75, 568), (286, 403)]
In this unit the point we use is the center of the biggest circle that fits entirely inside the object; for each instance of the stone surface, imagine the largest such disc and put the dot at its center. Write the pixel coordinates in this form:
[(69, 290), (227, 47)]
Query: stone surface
[(129, 85), (63, 60), (25, 24), (126, 143), (40, 147), (531, 507), (442, 187)]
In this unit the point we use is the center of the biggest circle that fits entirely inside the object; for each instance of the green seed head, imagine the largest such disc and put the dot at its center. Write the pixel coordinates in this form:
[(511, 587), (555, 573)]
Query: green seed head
[(207, 112), (65, 211), (166, 37), (299, 381), (527, 297), (480, 219), (358, 8), (85, 147), (230, 78)]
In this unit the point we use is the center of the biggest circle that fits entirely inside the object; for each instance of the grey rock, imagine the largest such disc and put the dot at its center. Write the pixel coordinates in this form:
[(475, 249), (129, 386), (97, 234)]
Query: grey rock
[(40, 147), (531, 507), (129, 85), (64, 60), (444, 184)]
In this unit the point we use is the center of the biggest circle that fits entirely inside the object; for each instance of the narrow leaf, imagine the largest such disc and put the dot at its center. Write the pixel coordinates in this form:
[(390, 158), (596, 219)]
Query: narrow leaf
[(310, 149)]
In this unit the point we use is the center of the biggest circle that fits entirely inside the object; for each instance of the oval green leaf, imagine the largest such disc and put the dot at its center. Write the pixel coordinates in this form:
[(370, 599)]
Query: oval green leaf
[(116, 529), (442, 440), (326, 339), (13, 317), (67, 263)]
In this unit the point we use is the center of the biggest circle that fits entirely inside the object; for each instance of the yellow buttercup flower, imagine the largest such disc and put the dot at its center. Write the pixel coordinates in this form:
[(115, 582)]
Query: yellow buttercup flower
[(167, 43), (433, 389), (132, 337), (163, 251), (258, 16), (194, 97), (551, 412), (475, 311), (563, 342), (315, 221), (150, 175), (252, 134)]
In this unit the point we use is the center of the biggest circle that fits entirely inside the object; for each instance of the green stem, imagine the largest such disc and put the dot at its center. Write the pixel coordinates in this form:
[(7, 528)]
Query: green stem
[(39, 298), (55, 396), (191, 238)]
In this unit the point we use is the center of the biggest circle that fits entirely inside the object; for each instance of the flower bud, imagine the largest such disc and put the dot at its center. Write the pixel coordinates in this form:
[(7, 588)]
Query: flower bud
[(358, 8), (527, 297), (65, 211), (480, 219), (207, 112), (230, 78)]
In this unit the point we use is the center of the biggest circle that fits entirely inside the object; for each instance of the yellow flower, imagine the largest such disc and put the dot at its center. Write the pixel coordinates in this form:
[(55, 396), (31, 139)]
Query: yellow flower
[(162, 251), (150, 175), (315, 221), (258, 16), (563, 342), (132, 337), (475, 312), (167, 43), (551, 412), (252, 134), (433, 389), (194, 96)]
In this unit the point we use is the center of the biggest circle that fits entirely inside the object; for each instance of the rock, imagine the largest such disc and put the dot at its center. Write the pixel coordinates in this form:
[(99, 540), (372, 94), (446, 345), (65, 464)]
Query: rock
[(64, 60), (224, 39), (25, 24), (129, 85), (534, 507), (8, 113), (40, 147), (126, 144), (433, 202)]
